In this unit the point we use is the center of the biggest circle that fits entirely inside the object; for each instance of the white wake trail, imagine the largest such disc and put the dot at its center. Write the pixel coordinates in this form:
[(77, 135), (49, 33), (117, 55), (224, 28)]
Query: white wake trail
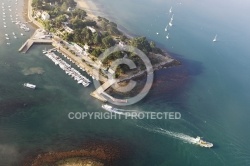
[(185, 138)]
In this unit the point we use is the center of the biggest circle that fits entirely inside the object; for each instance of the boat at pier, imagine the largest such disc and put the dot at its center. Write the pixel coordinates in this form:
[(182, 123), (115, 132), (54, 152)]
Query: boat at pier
[(76, 75)]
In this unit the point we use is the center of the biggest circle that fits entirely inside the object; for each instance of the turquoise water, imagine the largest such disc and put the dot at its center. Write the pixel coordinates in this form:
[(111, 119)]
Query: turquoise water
[(210, 89)]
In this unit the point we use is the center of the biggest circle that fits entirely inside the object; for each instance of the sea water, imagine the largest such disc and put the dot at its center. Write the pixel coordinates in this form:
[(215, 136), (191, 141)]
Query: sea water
[(210, 89)]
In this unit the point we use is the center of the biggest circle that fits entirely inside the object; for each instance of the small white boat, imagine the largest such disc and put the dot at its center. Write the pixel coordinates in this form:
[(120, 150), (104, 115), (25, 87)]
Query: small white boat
[(21, 34), (170, 10), (166, 29), (167, 36), (44, 51), (172, 18), (28, 85), (170, 23), (215, 38), (80, 81), (8, 43)]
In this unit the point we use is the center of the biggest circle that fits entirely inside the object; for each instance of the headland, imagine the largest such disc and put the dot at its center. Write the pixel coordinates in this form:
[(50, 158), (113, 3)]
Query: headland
[(81, 36)]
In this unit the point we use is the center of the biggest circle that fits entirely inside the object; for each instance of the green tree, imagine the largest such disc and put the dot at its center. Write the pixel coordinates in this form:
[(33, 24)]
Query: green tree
[(77, 36), (113, 30), (80, 13), (59, 20), (96, 52), (37, 4), (142, 44), (68, 37), (64, 7), (86, 35), (108, 41), (90, 23), (97, 40), (152, 44), (70, 3), (47, 25), (113, 24), (77, 23)]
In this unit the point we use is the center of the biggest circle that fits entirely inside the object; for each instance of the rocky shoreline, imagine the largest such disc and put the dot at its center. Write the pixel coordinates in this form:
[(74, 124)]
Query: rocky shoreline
[(92, 154)]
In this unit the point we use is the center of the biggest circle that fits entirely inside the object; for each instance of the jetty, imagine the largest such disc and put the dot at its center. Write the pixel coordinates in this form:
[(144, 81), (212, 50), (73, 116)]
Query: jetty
[(42, 37), (39, 37), (98, 93)]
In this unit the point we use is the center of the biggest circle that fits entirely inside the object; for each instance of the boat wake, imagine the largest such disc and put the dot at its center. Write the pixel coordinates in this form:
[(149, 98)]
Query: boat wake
[(183, 137)]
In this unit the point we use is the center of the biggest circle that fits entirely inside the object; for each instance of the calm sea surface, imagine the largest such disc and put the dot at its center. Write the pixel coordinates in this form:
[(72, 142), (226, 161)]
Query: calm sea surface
[(210, 89)]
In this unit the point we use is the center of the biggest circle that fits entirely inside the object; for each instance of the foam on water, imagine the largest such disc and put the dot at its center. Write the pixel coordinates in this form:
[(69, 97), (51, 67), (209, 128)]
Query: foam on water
[(185, 138)]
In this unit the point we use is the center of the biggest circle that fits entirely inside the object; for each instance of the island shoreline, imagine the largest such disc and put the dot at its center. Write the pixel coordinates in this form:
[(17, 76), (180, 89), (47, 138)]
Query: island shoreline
[(165, 60)]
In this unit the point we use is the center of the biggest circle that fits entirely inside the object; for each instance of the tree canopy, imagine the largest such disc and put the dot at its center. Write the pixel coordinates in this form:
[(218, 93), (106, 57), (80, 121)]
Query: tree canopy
[(142, 44), (108, 41)]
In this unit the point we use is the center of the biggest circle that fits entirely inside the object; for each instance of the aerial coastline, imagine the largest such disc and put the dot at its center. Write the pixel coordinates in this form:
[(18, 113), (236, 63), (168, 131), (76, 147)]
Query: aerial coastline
[(159, 61), (103, 34), (40, 123)]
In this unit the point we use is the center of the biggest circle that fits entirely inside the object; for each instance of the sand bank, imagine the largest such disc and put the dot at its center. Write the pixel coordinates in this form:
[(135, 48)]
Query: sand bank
[(89, 6)]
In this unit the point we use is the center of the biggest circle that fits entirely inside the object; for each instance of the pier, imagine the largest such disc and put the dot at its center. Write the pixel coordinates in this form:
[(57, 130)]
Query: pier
[(39, 37), (99, 91), (28, 44)]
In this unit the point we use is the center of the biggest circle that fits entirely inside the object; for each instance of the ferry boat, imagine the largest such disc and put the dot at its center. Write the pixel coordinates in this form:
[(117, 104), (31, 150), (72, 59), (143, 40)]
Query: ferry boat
[(107, 107), (203, 143), (110, 109), (28, 85)]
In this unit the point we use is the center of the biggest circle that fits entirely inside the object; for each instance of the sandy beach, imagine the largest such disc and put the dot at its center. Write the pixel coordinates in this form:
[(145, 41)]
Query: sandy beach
[(89, 7)]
